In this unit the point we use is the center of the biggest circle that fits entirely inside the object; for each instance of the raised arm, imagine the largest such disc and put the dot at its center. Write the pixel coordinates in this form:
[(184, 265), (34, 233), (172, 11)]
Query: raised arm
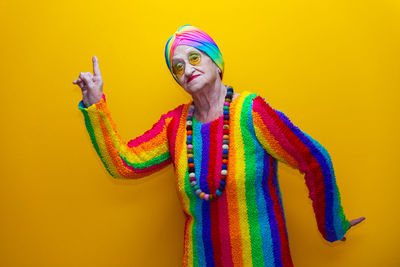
[(287, 143), (134, 159)]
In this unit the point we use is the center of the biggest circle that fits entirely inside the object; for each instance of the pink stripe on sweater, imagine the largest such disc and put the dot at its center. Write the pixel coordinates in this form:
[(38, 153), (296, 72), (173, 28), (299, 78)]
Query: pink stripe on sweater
[(222, 207)]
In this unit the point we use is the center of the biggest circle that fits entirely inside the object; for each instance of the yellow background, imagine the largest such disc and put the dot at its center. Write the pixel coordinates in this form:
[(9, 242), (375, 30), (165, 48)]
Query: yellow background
[(331, 66)]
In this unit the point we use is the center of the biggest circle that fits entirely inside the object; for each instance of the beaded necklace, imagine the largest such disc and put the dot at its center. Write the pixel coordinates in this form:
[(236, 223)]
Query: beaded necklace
[(225, 150)]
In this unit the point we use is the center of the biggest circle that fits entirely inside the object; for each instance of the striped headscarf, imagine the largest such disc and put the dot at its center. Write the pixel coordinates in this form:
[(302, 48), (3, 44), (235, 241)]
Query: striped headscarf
[(194, 37)]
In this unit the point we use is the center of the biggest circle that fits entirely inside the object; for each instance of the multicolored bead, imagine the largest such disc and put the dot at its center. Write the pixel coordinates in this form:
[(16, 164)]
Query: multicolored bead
[(225, 150)]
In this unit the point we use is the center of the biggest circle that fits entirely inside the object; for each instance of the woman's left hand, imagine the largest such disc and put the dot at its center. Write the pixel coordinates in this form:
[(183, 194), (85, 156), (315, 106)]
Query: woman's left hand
[(352, 223)]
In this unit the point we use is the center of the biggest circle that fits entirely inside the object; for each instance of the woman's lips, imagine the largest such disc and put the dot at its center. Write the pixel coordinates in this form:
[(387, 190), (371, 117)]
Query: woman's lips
[(193, 77)]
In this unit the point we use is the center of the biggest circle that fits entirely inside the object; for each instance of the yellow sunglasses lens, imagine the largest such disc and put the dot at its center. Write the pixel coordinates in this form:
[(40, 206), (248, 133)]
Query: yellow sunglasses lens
[(178, 69), (194, 58)]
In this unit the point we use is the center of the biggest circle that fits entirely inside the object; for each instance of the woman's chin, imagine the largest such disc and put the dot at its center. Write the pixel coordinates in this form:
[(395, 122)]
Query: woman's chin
[(193, 87)]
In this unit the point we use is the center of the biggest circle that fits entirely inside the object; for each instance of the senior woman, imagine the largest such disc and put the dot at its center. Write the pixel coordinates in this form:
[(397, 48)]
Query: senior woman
[(224, 147)]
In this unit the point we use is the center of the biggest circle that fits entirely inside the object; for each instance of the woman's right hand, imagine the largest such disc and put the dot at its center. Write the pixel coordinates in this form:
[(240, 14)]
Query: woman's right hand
[(91, 84)]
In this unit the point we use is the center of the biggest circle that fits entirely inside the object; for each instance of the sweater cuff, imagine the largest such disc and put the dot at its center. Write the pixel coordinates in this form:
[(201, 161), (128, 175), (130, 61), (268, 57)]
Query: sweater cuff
[(82, 106)]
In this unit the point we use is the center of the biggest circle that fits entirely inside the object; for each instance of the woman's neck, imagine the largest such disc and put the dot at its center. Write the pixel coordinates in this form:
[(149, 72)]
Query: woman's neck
[(208, 103)]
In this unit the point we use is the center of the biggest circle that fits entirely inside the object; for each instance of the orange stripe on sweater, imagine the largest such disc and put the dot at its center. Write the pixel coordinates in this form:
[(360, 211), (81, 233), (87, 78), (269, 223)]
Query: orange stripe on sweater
[(113, 153), (273, 143), (231, 194)]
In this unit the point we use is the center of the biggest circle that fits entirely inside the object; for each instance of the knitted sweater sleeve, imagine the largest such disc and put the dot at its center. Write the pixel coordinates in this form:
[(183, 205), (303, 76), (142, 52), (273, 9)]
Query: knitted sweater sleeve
[(137, 158), (288, 144)]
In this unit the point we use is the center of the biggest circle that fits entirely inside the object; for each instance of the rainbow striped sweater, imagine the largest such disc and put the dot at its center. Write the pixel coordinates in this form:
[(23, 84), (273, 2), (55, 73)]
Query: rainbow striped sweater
[(246, 225)]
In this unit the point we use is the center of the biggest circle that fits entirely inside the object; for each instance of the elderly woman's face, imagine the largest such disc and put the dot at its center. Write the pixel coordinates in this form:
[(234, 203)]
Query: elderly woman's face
[(193, 68)]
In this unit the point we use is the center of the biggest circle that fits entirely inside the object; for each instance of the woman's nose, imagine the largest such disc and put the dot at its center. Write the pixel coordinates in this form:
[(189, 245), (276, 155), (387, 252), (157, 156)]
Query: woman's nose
[(188, 70)]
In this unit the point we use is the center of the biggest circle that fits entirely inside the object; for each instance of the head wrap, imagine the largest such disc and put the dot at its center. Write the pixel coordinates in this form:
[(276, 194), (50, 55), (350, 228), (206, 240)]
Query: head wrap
[(194, 37)]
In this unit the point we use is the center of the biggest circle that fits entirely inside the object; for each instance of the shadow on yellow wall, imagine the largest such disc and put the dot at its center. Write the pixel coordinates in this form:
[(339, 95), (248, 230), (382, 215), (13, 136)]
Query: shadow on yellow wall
[(331, 66)]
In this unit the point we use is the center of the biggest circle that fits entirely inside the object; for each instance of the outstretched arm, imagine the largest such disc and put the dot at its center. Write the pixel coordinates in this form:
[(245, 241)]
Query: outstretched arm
[(287, 143)]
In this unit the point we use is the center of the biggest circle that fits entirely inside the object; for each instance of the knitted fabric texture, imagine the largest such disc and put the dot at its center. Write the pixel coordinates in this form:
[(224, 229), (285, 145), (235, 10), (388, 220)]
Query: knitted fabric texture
[(246, 225)]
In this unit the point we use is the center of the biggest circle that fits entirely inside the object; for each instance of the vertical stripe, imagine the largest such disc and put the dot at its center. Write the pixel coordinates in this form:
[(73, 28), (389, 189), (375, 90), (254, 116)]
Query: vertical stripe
[(195, 236), (240, 173), (285, 254), (212, 180), (92, 135), (181, 174), (276, 242), (108, 148), (173, 128), (232, 190), (222, 206), (208, 249), (250, 186), (198, 243), (264, 221), (275, 182)]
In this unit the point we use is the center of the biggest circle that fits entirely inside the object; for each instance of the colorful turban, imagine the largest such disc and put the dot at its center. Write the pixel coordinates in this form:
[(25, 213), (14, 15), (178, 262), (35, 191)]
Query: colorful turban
[(194, 37)]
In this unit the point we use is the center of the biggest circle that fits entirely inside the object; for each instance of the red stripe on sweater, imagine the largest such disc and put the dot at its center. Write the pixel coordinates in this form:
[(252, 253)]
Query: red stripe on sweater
[(212, 185)]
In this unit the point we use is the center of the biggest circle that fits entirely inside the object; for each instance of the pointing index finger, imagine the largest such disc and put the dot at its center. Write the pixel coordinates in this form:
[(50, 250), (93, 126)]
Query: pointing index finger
[(96, 68)]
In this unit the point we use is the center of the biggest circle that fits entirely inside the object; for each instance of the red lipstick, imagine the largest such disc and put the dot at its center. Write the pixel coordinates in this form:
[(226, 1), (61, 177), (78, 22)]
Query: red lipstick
[(193, 77)]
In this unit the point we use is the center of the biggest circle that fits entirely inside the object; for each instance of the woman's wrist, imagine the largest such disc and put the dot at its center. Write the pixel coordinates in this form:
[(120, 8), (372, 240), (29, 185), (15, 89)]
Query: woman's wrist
[(90, 103)]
